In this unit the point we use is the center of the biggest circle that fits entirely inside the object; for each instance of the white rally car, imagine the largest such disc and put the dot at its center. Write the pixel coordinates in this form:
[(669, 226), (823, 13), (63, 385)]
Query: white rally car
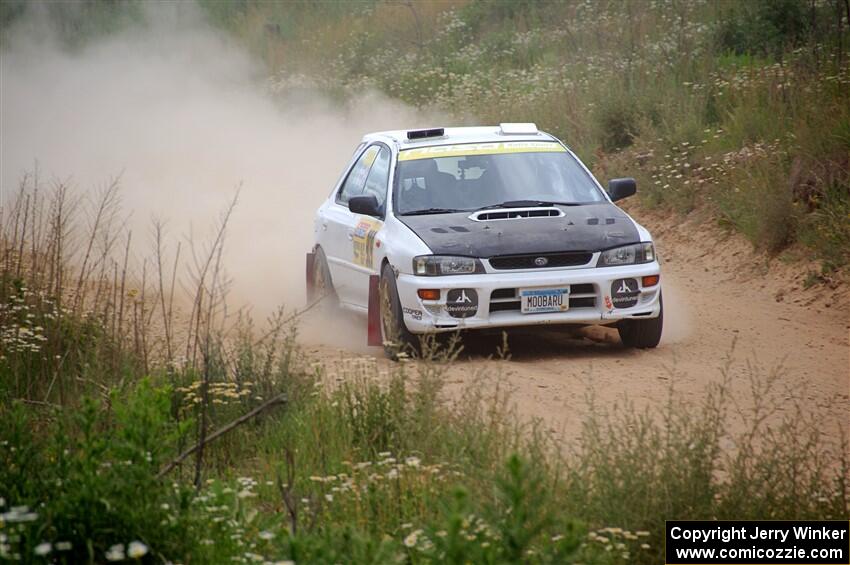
[(451, 229)]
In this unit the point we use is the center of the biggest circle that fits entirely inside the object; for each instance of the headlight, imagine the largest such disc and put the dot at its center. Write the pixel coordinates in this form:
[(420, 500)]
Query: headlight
[(436, 265), (627, 255)]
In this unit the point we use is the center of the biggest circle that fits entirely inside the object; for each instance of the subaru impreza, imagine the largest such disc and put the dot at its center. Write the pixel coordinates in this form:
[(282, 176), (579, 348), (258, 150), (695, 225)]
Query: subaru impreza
[(447, 229)]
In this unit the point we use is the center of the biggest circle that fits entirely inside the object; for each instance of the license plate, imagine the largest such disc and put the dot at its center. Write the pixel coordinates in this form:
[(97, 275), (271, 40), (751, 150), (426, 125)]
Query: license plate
[(538, 300)]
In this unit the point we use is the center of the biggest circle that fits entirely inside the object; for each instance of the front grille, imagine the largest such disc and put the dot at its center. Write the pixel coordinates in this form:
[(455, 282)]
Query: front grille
[(504, 306), (507, 299), (570, 259), (503, 293)]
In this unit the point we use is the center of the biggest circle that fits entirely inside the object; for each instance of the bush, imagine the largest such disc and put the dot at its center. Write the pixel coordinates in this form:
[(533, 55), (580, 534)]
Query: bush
[(827, 228), (757, 199), (764, 27), (616, 119), (88, 477)]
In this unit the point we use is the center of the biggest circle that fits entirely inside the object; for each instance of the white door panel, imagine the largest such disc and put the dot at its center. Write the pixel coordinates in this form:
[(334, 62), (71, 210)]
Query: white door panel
[(340, 249), (351, 237)]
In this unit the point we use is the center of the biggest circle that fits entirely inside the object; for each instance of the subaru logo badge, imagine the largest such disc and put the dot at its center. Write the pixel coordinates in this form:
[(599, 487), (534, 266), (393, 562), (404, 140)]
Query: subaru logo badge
[(541, 261)]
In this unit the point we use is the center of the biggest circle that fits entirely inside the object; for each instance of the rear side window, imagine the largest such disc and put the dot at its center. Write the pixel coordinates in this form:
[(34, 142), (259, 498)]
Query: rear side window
[(355, 183)]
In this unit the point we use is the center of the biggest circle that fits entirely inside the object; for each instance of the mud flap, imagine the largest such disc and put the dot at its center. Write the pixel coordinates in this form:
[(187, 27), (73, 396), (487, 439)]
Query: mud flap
[(311, 258), (374, 337)]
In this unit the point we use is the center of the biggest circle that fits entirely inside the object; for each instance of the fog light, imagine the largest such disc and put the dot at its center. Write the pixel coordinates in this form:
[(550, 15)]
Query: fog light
[(429, 293), (651, 280)]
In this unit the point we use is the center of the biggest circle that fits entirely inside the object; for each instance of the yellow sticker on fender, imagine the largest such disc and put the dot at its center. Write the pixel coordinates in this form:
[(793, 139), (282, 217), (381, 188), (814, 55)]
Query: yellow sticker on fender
[(480, 149), (363, 241)]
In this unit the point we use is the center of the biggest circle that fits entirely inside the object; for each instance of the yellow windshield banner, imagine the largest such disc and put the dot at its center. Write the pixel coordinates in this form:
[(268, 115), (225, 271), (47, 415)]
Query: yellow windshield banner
[(480, 149)]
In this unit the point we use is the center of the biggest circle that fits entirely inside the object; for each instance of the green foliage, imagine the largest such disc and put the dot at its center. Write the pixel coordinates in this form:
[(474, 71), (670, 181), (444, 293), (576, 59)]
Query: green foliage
[(89, 475), (77, 23), (828, 227), (766, 27), (385, 470), (616, 119), (616, 78), (369, 465), (758, 201)]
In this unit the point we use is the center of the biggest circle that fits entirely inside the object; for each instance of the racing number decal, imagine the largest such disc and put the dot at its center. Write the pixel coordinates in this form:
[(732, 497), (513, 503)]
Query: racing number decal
[(363, 241)]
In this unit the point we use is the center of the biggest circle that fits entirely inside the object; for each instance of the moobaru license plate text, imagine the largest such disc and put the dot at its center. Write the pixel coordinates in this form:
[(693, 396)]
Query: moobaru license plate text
[(534, 300)]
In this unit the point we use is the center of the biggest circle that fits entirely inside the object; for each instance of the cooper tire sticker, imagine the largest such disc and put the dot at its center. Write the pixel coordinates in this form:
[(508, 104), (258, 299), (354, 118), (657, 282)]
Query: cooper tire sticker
[(412, 312)]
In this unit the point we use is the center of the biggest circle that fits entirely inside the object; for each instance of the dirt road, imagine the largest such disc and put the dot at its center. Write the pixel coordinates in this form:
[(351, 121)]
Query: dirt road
[(717, 292)]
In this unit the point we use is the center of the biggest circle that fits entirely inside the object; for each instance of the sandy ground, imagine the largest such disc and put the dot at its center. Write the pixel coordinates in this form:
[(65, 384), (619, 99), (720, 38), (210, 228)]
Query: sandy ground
[(722, 301)]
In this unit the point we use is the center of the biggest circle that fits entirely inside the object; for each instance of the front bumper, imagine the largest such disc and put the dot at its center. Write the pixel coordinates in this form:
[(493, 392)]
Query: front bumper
[(591, 300)]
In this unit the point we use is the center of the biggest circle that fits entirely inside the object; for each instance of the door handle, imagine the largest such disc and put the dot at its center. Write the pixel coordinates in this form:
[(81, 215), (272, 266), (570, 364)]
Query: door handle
[(324, 226), (350, 235)]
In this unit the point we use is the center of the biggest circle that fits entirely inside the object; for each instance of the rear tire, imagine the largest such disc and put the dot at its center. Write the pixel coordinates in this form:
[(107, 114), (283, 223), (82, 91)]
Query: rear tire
[(395, 335), (323, 287), (642, 334)]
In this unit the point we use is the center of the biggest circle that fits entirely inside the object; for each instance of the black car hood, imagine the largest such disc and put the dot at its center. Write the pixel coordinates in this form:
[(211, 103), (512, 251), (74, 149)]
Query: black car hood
[(590, 227)]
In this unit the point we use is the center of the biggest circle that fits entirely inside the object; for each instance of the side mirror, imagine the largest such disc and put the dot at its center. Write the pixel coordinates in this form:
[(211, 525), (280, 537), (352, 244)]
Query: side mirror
[(621, 188), (365, 205)]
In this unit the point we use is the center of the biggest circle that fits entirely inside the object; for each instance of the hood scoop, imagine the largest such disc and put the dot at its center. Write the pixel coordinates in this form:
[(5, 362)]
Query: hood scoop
[(515, 213)]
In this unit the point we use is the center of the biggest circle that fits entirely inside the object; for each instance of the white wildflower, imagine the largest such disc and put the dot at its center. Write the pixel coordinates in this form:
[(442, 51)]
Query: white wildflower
[(43, 548), (412, 462), (136, 549), (412, 538), (115, 553)]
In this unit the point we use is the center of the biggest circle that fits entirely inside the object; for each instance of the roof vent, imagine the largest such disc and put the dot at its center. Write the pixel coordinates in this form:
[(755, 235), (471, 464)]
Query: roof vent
[(415, 134), (518, 129), (514, 213)]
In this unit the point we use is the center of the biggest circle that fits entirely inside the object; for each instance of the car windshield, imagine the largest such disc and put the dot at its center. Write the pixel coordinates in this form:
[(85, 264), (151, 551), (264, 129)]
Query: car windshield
[(452, 178)]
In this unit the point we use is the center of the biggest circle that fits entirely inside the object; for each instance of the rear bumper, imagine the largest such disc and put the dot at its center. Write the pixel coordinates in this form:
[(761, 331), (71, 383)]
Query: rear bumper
[(591, 299)]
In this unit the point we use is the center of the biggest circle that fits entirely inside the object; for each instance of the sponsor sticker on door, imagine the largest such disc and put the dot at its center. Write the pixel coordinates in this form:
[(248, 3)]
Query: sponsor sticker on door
[(363, 241)]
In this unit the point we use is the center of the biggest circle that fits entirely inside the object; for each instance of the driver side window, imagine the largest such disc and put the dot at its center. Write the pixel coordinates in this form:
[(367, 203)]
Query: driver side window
[(355, 183), (379, 177)]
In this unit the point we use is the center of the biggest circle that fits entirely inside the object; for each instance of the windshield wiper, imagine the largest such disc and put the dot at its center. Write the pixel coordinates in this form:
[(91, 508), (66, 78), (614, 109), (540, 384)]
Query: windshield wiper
[(527, 204), (425, 211)]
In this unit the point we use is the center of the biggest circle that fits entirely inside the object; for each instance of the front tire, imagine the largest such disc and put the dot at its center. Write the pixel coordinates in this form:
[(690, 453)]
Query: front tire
[(396, 337), (642, 334)]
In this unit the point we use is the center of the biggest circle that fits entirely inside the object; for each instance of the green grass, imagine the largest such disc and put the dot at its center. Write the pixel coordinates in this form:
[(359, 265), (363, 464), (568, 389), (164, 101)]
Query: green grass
[(382, 468), (364, 463), (102, 384)]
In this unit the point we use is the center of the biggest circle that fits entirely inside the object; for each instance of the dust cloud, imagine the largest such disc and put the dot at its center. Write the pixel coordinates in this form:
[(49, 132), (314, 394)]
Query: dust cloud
[(184, 116)]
